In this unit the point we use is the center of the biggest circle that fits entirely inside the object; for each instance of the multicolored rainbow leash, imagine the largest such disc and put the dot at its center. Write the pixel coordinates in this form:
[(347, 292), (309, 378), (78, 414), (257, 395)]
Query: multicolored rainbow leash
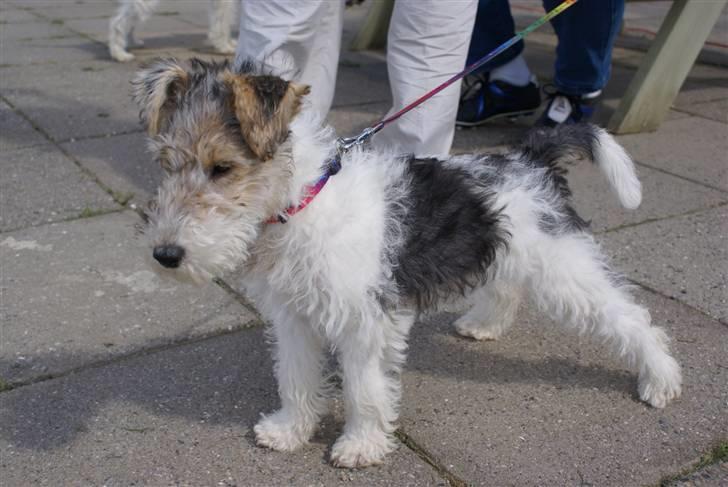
[(343, 145)]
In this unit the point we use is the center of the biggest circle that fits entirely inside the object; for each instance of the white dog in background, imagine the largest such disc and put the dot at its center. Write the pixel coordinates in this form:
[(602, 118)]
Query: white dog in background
[(132, 13)]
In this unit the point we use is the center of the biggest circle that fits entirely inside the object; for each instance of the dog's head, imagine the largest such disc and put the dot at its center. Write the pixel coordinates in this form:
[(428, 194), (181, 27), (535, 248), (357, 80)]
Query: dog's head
[(221, 137)]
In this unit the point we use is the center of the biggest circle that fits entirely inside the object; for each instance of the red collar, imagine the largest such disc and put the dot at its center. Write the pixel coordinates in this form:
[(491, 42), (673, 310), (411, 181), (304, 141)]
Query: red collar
[(311, 190)]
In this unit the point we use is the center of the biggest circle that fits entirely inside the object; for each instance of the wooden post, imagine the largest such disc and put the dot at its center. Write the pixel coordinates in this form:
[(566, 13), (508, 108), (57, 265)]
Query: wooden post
[(666, 65)]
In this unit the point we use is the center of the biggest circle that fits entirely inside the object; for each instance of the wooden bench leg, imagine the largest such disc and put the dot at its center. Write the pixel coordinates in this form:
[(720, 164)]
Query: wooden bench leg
[(666, 65)]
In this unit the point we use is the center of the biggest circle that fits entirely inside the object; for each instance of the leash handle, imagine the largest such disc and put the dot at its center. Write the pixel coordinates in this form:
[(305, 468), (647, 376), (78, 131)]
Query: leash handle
[(345, 144)]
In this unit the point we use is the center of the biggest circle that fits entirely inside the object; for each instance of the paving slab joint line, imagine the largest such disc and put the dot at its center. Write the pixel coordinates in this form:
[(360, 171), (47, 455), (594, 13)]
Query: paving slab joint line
[(6, 386), (685, 178), (654, 291), (85, 214), (658, 219), (430, 459), (100, 136), (119, 197), (716, 454), (62, 22), (712, 100), (239, 297)]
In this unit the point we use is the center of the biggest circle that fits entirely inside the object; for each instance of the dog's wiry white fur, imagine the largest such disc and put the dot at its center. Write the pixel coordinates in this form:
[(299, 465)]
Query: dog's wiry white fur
[(325, 279), (132, 13)]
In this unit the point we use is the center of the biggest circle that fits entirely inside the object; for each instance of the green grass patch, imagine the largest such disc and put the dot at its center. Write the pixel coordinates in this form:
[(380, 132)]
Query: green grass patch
[(121, 197), (716, 454), (90, 212), (57, 22), (4, 386)]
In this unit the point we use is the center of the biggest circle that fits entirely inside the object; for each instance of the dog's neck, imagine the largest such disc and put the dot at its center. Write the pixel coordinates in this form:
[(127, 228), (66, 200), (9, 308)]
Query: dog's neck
[(313, 144)]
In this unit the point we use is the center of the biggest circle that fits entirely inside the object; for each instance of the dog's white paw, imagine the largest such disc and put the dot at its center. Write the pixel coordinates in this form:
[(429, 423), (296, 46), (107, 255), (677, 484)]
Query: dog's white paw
[(478, 331), (278, 432), (361, 451), (660, 385), (121, 55)]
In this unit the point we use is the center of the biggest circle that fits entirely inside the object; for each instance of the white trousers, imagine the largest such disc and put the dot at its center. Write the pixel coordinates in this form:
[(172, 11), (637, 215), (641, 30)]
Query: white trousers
[(427, 44)]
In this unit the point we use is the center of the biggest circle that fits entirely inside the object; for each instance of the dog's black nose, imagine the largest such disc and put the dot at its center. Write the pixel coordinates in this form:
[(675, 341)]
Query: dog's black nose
[(169, 255)]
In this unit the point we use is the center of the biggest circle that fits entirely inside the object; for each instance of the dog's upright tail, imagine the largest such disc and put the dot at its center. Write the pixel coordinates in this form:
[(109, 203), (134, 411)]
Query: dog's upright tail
[(570, 143)]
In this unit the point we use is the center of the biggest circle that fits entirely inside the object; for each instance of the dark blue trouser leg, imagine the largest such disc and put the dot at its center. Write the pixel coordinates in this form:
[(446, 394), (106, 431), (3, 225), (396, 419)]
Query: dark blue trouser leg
[(586, 33), (493, 26)]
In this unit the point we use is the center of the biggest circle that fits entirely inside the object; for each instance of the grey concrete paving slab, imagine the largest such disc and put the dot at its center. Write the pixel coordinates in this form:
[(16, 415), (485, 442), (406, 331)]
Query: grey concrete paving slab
[(542, 406), (84, 291), (74, 100), (10, 15), (695, 92), (493, 136), (121, 162), (74, 9), (59, 51), (361, 83), (157, 25), (42, 5), (41, 185), (178, 417), (695, 148), (15, 131), (715, 110), (350, 120), (685, 258), (12, 32), (663, 195)]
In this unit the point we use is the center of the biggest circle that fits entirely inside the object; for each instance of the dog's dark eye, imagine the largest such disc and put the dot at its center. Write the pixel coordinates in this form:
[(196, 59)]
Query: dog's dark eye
[(219, 170)]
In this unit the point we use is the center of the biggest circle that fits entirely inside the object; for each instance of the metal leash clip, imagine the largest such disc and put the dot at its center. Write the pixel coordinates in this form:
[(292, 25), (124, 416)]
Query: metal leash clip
[(344, 144)]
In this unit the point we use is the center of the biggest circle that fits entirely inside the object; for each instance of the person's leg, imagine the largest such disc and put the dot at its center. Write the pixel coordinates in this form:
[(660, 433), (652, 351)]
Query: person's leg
[(493, 26), (428, 43), (299, 40), (586, 33), (505, 85)]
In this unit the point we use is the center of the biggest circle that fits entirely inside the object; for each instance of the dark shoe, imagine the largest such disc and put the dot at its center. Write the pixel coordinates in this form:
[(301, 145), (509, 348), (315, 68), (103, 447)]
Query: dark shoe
[(563, 108), (484, 100)]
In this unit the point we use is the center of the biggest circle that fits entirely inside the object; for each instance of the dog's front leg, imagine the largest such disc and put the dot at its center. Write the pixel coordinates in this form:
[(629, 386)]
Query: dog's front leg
[(371, 394), (299, 366)]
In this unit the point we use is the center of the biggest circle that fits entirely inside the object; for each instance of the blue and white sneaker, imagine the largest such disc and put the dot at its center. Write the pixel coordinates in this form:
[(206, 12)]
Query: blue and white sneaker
[(483, 100), (563, 108)]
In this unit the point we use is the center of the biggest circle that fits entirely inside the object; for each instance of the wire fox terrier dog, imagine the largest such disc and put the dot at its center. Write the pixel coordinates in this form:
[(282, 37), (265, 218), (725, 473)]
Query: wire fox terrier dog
[(134, 12), (387, 238)]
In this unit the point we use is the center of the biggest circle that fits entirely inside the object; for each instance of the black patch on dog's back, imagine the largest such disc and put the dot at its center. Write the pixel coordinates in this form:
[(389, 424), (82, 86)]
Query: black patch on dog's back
[(451, 233)]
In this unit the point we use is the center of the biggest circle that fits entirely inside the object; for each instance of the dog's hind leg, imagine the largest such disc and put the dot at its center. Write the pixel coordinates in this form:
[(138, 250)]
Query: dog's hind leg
[(494, 310), (300, 357), (121, 26), (221, 15), (571, 282), (371, 354)]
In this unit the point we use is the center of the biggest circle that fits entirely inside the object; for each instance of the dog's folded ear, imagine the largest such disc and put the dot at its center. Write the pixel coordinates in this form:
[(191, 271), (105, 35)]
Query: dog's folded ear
[(264, 107), (156, 91)]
